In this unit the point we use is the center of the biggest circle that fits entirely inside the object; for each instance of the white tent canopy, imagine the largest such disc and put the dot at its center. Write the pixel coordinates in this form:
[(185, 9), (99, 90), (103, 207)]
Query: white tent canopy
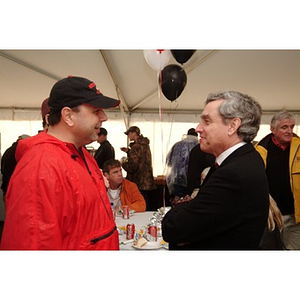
[(271, 76), (27, 76)]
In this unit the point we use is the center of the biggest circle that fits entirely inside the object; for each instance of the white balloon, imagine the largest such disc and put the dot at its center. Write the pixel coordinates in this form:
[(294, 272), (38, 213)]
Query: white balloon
[(157, 59)]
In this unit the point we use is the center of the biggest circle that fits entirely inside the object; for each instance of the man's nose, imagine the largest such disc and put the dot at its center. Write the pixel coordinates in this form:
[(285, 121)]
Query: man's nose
[(198, 128), (102, 116)]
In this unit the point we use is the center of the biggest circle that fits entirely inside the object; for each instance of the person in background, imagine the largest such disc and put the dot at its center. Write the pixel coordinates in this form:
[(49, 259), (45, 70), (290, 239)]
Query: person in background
[(280, 151), (8, 163), (198, 162), (177, 163), (138, 163), (57, 198), (105, 151), (231, 209), (45, 111), (121, 190)]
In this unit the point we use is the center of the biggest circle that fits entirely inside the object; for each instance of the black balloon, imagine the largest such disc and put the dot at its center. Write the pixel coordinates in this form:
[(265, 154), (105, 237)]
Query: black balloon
[(182, 56), (172, 81)]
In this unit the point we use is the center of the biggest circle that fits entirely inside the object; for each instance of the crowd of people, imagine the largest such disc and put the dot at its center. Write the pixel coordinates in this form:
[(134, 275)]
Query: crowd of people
[(227, 193)]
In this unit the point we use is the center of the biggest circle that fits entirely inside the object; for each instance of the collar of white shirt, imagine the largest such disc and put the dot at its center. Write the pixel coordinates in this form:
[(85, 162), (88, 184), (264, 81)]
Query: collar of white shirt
[(227, 152)]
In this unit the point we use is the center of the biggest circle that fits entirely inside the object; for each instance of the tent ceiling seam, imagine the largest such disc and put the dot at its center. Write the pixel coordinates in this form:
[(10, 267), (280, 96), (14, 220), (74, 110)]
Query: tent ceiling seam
[(26, 65), (118, 90)]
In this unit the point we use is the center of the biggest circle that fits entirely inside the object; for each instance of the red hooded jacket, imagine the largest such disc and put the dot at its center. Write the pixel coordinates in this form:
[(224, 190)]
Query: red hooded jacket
[(57, 199)]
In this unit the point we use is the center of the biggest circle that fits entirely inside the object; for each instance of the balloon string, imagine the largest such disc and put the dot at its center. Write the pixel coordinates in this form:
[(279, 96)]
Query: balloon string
[(161, 130), (160, 114)]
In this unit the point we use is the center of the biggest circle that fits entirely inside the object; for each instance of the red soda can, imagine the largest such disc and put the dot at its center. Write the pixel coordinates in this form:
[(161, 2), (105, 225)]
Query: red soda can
[(152, 230), (130, 228), (126, 212)]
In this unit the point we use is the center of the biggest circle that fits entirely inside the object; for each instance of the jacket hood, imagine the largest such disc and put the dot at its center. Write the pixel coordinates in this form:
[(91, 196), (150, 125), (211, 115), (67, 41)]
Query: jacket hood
[(190, 138), (265, 140), (141, 140), (27, 144)]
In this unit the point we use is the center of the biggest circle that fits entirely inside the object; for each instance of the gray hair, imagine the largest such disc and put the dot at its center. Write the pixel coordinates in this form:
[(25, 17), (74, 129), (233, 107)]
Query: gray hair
[(242, 106), (281, 116)]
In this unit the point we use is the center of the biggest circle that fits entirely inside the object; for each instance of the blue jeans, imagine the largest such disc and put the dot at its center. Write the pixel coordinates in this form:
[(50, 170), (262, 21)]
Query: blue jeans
[(290, 233)]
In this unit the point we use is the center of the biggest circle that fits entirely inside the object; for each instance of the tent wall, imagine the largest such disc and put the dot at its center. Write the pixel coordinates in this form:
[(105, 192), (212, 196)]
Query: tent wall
[(163, 130)]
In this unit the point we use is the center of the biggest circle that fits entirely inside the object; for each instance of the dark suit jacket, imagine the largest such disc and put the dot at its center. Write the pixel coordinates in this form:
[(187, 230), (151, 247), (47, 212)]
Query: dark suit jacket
[(230, 211)]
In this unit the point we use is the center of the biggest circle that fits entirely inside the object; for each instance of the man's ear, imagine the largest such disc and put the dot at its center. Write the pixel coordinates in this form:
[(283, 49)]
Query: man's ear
[(235, 123), (47, 119), (67, 114), (272, 129)]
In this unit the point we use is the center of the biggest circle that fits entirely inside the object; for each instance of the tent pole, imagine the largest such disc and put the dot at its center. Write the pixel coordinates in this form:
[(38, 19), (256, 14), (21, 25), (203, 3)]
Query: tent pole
[(119, 92)]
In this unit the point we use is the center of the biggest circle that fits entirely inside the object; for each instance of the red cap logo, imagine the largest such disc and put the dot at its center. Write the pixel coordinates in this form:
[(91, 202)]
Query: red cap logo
[(93, 85)]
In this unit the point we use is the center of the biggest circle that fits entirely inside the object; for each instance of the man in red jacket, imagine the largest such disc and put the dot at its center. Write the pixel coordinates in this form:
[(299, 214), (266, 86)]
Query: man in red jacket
[(56, 198)]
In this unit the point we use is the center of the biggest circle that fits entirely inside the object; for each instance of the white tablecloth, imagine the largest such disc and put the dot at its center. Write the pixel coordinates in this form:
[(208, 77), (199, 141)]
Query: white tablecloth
[(139, 220)]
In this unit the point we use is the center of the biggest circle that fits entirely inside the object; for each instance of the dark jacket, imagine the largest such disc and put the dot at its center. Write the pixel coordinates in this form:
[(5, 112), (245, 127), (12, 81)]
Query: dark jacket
[(230, 211), (105, 152), (198, 161), (294, 167), (8, 164), (139, 164)]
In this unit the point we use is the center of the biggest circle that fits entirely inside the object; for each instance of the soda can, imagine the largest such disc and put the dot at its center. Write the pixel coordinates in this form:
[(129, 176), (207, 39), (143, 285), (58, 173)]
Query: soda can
[(126, 212), (130, 229), (152, 230)]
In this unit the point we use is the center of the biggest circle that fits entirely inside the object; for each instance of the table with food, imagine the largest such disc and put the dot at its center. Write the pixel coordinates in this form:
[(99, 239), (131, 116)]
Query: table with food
[(141, 230)]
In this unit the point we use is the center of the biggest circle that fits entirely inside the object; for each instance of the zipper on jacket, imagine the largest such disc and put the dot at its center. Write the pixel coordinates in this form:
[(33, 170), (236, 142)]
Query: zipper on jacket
[(104, 205), (74, 156), (96, 240)]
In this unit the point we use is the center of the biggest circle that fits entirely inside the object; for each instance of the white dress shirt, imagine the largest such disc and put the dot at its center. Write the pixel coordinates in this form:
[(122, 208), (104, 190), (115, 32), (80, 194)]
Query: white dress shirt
[(227, 152)]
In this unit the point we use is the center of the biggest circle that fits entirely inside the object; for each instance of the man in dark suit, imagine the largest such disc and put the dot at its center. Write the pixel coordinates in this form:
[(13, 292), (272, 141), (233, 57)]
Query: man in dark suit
[(230, 211)]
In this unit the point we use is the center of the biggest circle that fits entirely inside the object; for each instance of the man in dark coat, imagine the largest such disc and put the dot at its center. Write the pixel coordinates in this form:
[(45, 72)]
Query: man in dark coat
[(8, 163), (231, 209), (105, 151), (198, 161), (138, 163)]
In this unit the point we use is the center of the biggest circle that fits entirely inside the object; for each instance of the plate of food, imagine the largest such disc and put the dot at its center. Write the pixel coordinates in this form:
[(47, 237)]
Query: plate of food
[(143, 244)]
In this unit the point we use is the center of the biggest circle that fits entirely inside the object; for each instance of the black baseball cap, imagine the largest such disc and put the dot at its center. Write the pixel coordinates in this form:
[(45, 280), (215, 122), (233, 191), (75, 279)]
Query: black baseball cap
[(73, 91)]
